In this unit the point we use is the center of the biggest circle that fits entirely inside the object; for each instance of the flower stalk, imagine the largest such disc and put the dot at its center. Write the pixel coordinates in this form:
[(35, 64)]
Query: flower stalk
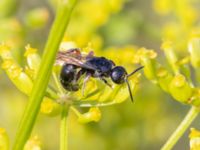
[(189, 118), (56, 34), (64, 128)]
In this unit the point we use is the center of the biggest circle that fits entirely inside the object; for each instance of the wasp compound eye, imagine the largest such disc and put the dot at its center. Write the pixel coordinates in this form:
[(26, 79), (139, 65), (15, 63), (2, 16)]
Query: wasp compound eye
[(118, 74)]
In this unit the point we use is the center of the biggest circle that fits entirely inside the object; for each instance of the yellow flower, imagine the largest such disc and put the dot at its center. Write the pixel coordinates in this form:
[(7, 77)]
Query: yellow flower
[(194, 49), (37, 18), (94, 94), (4, 141), (194, 139), (14, 71), (93, 114), (163, 7), (33, 143), (50, 107)]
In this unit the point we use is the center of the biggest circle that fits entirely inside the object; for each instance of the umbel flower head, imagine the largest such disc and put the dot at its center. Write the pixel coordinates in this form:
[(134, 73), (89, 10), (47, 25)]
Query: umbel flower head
[(96, 93), (176, 80)]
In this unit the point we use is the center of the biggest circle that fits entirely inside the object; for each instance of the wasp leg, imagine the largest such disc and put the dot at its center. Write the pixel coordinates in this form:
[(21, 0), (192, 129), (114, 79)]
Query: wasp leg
[(74, 50), (90, 55), (106, 82), (88, 75)]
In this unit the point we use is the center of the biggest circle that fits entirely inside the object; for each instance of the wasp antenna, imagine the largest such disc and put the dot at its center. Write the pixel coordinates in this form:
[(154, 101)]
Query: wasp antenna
[(136, 70), (129, 88)]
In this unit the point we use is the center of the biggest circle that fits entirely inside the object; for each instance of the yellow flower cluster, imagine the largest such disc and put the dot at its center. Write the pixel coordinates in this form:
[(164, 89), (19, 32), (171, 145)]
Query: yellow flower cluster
[(177, 79), (96, 93), (92, 15), (181, 17)]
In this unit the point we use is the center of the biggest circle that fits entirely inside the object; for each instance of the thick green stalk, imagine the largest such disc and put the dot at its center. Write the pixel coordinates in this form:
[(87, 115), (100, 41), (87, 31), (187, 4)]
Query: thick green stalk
[(64, 129), (191, 115), (56, 34)]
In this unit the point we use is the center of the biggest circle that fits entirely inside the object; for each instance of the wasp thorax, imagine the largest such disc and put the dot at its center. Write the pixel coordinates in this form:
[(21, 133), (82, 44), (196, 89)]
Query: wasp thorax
[(118, 74)]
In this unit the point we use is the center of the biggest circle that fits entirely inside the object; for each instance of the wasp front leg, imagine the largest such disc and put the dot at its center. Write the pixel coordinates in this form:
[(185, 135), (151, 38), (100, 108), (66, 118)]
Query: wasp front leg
[(87, 77), (106, 82)]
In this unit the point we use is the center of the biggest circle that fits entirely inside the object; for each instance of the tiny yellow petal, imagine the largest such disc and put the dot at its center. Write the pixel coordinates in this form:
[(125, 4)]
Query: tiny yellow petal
[(166, 45), (94, 114), (179, 80), (50, 107), (29, 50), (194, 139), (4, 140), (5, 52), (33, 143)]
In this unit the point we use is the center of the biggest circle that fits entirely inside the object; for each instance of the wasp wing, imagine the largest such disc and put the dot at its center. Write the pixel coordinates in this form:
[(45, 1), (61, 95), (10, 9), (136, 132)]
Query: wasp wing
[(74, 57)]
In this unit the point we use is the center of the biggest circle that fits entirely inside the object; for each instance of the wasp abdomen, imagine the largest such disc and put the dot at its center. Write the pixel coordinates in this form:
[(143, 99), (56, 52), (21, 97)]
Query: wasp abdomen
[(67, 77)]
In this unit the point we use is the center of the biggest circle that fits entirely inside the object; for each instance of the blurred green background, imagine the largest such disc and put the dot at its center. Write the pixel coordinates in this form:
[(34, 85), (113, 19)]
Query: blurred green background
[(144, 125)]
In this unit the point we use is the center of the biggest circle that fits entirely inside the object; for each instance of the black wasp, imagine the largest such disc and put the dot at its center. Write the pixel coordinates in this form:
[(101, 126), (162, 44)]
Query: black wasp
[(75, 64)]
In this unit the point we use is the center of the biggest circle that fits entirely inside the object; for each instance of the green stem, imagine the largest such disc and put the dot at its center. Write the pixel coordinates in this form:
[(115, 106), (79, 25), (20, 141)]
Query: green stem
[(63, 129), (191, 115), (56, 34), (57, 83)]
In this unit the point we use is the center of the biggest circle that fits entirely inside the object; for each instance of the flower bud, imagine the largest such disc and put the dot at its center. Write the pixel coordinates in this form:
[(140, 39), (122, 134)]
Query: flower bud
[(19, 78), (147, 60), (195, 98), (194, 139), (124, 55), (94, 114), (170, 55), (180, 89), (31, 73), (4, 140), (114, 5), (149, 69), (194, 49), (5, 52), (37, 18), (50, 107), (162, 7), (12, 32), (164, 78), (33, 143), (185, 67), (33, 60), (66, 45), (7, 7)]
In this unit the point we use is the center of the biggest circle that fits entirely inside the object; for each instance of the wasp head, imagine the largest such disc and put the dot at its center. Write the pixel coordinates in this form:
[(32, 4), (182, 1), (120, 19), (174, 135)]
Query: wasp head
[(119, 76)]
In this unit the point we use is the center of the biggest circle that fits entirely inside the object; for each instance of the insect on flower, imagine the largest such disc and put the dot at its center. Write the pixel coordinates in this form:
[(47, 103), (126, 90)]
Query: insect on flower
[(75, 64)]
